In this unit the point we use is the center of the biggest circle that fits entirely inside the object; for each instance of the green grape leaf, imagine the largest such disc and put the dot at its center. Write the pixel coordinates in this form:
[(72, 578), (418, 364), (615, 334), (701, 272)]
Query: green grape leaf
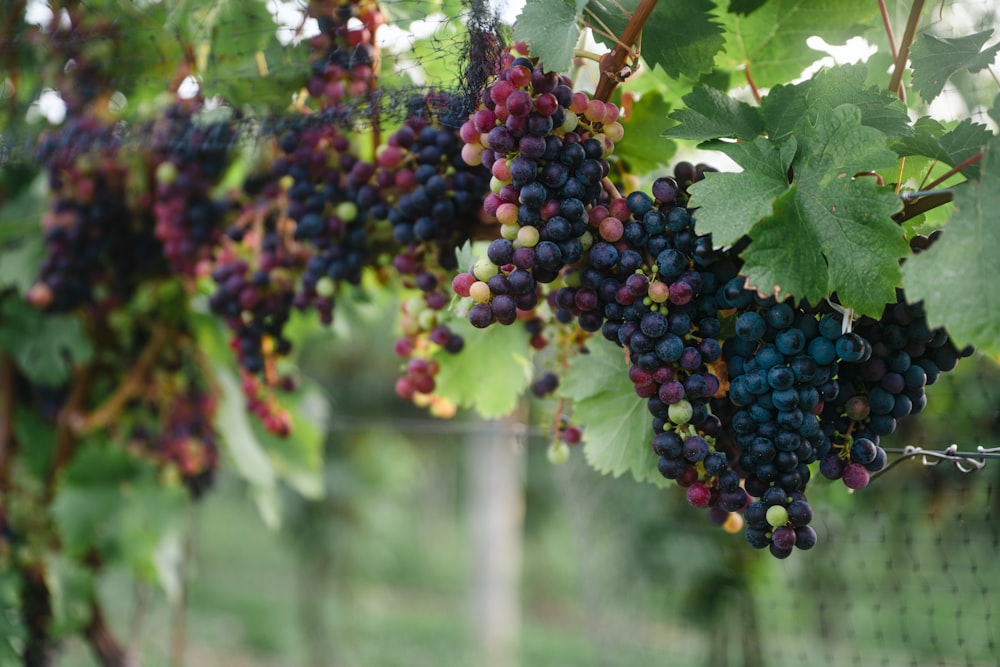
[(617, 427), (142, 66), (785, 256), (643, 147), (37, 439), (44, 346), (687, 34), (934, 59), (12, 628), (831, 232), (785, 106), (687, 38), (961, 143), (771, 45), (113, 501), (20, 261), (765, 176), (711, 114), (951, 148), (238, 53), (246, 451), (949, 276), (490, 373), (21, 244), (925, 141), (551, 28)]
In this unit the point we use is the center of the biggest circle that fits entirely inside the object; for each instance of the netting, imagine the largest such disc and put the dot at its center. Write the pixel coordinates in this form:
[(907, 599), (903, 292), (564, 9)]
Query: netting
[(256, 64)]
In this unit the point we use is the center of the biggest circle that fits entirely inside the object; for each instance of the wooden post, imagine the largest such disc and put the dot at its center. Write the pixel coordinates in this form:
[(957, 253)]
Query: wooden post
[(495, 476)]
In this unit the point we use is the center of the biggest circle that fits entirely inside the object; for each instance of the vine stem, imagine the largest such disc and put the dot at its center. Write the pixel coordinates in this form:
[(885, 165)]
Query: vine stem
[(750, 81), (892, 43), (611, 188), (954, 170), (899, 63), (108, 650), (108, 411), (68, 421), (614, 61), (373, 90), (888, 28)]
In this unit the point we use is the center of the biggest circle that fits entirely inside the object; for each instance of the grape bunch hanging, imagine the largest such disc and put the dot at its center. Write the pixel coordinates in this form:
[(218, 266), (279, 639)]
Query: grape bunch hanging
[(749, 397), (745, 392)]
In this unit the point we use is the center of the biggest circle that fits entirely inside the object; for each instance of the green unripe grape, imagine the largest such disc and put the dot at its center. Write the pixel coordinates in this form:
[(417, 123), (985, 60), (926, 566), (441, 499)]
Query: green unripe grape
[(558, 453), (480, 292), (347, 211), (166, 173), (777, 516), (527, 237), (427, 319), (415, 305), (484, 269), (325, 287), (509, 232), (680, 412), (285, 366)]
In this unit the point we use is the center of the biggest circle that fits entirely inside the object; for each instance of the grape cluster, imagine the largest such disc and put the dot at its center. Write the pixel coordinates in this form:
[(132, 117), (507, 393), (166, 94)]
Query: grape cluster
[(651, 285), (900, 355), (781, 365), (344, 54), (97, 247), (187, 438), (256, 304), (780, 370), (746, 392), (190, 159), (431, 199), (328, 194), (300, 233), (546, 148)]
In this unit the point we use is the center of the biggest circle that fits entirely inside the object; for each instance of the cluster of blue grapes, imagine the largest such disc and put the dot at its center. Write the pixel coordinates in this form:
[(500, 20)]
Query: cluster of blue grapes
[(432, 198), (301, 229), (546, 148), (782, 366), (190, 158), (344, 53), (97, 247), (667, 315), (746, 392), (901, 355), (845, 389), (328, 194)]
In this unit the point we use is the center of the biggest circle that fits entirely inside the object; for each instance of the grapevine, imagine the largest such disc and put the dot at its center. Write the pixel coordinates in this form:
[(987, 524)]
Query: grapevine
[(772, 342)]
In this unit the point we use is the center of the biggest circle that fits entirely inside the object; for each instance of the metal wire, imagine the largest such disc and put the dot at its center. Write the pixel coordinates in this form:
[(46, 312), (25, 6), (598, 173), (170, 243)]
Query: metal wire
[(966, 462)]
